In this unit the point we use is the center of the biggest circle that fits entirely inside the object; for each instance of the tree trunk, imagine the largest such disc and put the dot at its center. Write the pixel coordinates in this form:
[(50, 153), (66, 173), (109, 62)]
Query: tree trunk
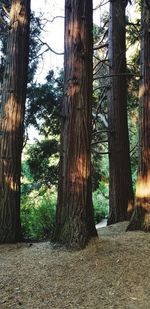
[(121, 192), (141, 216), (74, 222), (11, 120)]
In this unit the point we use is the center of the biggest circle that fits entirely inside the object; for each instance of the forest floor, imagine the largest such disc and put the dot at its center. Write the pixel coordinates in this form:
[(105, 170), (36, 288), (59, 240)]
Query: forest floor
[(111, 272)]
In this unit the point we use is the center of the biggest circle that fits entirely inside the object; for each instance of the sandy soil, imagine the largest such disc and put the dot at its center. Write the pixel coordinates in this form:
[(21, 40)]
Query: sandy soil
[(112, 272)]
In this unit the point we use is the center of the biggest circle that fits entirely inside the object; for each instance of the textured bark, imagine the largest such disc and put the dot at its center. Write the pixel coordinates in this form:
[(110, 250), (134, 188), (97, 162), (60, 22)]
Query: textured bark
[(74, 222), (11, 120), (121, 192), (141, 216)]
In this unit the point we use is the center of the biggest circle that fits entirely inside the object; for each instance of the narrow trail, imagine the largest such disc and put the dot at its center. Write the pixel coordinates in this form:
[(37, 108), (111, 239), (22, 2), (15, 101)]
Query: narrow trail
[(103, 223)]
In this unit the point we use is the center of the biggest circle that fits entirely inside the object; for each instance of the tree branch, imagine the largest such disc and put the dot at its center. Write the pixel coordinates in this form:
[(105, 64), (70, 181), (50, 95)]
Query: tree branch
[(50, 48), (100, 142), (114, 75), (96, 47), (100, 131), (99, 5), (40, 54)]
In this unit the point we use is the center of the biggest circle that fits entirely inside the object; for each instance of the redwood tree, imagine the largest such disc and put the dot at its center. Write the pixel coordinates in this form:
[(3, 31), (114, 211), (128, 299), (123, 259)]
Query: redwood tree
[(74, 218), (121, 193), (11, 120), (141, 216)]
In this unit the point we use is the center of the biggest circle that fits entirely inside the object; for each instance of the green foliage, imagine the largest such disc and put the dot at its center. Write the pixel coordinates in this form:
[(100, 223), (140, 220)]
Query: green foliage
[(26, 179), (39, 175), (38, 215), (38, 202), (43, 105), (40, 164), (34, 45), (43, 161), (43, 112), (100, 202), (100, 187)]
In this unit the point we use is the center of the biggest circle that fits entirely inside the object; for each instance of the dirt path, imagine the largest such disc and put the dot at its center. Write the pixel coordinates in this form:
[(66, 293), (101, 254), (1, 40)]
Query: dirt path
[(103, 223), (112, 272)]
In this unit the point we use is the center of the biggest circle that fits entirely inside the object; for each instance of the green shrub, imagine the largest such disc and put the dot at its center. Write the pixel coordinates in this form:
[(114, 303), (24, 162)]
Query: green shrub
[(101, 202), (38, 216)]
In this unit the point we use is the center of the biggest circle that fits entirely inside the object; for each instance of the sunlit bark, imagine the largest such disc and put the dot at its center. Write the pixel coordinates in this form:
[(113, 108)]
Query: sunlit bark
[(121, 193), (141, 216), (11, 120), (75, 223)]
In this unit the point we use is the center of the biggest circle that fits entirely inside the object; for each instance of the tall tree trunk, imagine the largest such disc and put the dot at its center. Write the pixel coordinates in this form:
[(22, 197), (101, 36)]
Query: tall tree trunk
[(11, 120), (74, 222), (121, 192), (141, 216)]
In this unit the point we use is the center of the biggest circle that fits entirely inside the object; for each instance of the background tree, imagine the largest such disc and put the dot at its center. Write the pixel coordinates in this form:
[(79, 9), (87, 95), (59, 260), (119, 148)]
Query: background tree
[(43, 112), (141, 216), (11, 120), (74, 217), (121, 193)]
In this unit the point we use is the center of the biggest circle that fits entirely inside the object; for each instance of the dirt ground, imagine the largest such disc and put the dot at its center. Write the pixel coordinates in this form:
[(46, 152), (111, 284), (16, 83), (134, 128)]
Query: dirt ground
[(112, 272)]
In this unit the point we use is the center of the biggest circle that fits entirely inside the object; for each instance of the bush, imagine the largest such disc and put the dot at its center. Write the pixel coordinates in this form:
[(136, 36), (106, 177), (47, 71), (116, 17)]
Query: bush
[(101, 202), (38, 216)]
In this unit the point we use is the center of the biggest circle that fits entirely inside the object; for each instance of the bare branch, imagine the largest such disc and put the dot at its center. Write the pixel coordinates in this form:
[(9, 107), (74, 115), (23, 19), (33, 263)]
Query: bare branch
[(99, 132), (102, 64), (99, 5), (101, 87), (132, 150), (50, 48), (134, 25), (102, 153), (114, 75), (105, 33), (96, 47), (100, 142), (100, 61), (41, 54), (55, 17)]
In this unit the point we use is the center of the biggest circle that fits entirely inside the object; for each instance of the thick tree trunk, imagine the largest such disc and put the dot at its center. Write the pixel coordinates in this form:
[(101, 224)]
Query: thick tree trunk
[(11, 120), (121, 192), (75, 223), (141, 216)]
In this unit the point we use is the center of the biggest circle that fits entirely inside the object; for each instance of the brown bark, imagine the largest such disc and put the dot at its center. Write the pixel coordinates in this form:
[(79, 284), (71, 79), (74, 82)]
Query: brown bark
[(74, 222), (121, 193), (11, 120), (141, 216)]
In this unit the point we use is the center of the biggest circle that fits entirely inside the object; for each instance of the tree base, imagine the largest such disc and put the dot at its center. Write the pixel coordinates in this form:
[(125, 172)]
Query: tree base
[(112, 219), (74, 235), (140, 220), (9, 237)]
